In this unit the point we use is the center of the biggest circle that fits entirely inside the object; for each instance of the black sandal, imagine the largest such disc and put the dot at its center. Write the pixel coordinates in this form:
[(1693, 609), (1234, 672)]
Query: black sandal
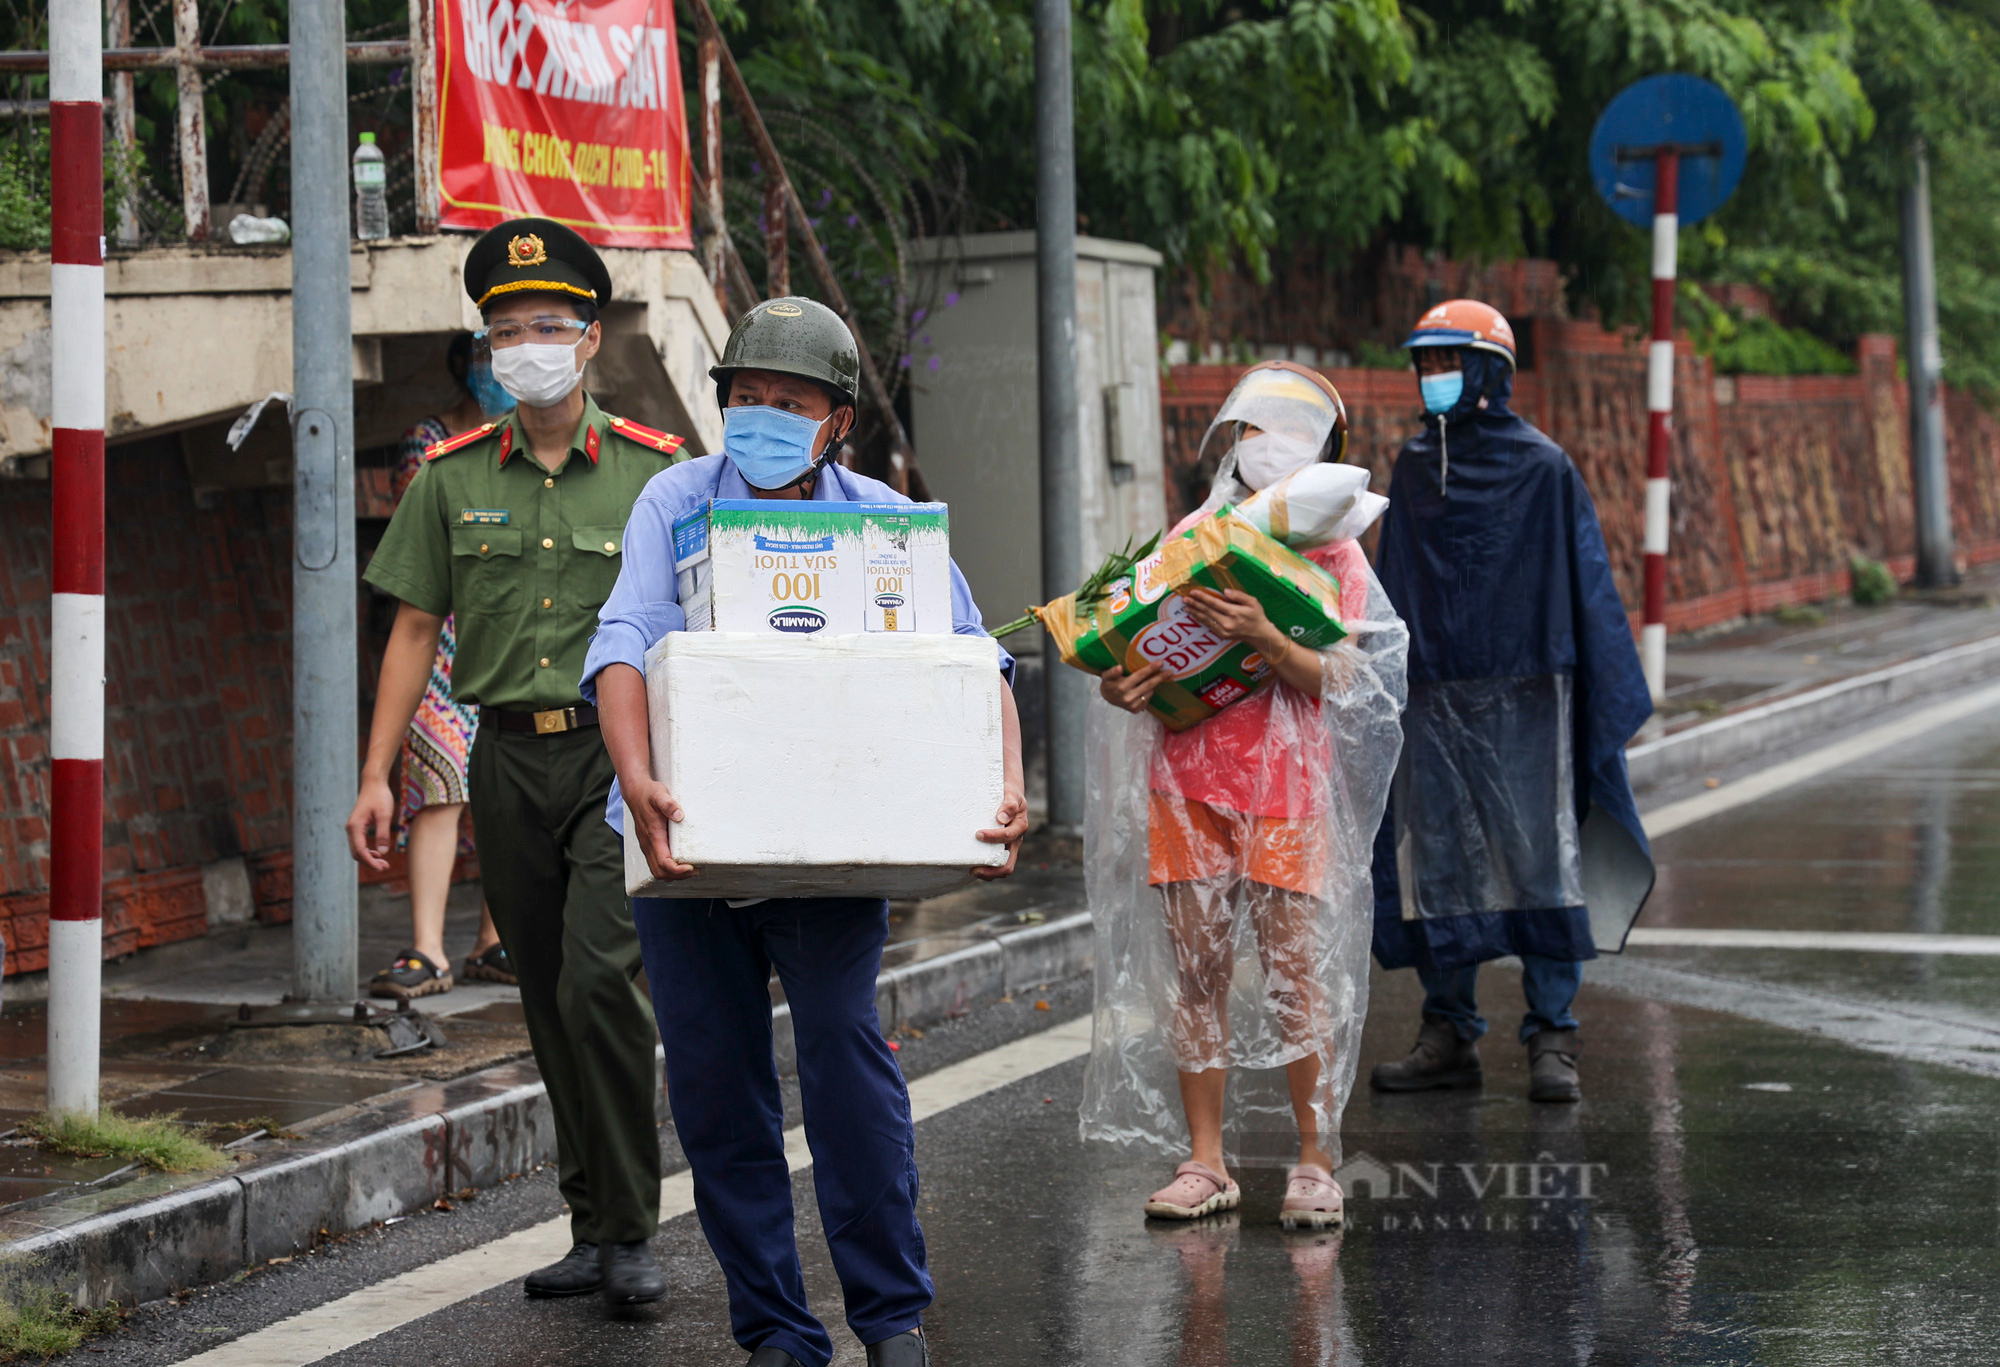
[(412, 975), (493, 967)]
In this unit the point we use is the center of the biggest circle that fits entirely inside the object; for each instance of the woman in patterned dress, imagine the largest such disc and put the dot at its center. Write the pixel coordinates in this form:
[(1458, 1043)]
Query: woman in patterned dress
[(435, 751)]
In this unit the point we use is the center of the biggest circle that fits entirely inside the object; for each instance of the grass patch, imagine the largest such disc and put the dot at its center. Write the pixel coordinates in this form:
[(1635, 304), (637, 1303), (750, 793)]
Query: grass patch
[(1800, 615), (37, 1323), (1873, 584), (157, 1141)]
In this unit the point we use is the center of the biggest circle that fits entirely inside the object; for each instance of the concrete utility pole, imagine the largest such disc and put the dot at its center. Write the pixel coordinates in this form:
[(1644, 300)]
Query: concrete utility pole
[(1067, 690), (1929, 478), (76, 627), (324, 656)]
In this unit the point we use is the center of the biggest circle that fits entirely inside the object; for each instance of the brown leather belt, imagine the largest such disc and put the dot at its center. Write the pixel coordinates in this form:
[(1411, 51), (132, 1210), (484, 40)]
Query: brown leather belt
[(553, 722)]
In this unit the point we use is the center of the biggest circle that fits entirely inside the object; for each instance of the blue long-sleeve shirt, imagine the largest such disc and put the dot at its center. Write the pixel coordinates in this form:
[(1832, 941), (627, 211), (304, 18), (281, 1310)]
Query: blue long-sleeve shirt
[(645, 603)]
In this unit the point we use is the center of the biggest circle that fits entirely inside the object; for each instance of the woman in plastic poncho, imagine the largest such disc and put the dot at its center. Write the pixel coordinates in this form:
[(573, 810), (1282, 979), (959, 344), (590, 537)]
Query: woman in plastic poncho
[(1228, 863)]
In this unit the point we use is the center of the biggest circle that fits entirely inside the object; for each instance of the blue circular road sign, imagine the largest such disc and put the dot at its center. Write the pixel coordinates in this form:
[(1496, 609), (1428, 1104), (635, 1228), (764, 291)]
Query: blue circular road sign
[(1685, 112)]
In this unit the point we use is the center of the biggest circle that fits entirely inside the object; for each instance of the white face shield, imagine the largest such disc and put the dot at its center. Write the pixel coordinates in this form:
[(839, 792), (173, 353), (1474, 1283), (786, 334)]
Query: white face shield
[(1291, 416)]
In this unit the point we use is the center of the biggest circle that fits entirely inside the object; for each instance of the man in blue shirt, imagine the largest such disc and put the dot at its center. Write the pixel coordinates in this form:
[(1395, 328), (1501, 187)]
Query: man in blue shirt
[(787, 388)]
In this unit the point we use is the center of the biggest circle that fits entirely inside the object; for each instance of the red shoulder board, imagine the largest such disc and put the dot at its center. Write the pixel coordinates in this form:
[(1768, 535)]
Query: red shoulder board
[(660, 441), (450, 444)]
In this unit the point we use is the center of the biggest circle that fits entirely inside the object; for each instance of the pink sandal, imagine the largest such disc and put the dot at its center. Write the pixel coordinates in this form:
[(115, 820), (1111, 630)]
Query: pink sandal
[(1196, 1190), (1312, 1199)]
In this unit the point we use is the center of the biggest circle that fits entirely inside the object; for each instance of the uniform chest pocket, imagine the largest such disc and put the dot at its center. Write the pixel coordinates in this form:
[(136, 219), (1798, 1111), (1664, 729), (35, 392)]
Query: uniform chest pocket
[(486, 568), (591, 572)]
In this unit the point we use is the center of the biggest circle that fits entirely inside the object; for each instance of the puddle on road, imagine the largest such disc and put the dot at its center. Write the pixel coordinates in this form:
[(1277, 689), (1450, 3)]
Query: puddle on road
[(131, 1028), (26, 1172), (236, 1095)]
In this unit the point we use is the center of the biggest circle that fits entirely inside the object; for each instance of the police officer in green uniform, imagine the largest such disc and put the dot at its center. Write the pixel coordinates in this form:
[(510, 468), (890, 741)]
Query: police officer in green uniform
[(516, 527)]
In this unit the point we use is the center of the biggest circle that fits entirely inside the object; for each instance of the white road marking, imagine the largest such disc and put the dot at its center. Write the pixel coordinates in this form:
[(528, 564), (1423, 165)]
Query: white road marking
[(1954, 1038), (1765, 782), (1865, 941), (375, 1310)]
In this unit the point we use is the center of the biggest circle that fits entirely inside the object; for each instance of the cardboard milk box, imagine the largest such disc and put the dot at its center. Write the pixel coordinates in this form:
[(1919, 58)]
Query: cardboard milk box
[(1144, 621), (810, 569), (880, 795)]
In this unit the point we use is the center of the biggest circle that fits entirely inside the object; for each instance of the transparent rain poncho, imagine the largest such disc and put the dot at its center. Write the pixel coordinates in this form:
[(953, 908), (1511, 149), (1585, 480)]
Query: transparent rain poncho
[(1261, 958)]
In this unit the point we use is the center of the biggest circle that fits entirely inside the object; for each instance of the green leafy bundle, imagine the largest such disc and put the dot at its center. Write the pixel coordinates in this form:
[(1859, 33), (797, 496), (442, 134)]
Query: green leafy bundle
[(1094, 589)]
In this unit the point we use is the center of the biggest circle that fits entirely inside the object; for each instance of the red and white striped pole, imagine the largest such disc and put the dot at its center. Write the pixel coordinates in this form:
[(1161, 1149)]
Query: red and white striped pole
[(76, 669), (1660, 415)]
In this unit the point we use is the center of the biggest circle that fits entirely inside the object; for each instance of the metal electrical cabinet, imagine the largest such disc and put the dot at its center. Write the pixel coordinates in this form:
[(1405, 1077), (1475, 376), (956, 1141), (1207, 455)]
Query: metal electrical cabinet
[(975, 412)]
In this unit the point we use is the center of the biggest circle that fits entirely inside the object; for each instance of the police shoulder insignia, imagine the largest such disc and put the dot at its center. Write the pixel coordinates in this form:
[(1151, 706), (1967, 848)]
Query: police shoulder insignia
[(462, 440), (664, 442)]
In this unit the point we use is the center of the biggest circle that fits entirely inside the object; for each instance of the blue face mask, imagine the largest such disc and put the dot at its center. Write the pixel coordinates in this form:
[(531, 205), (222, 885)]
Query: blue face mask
[(1441, 392), (486, 391), (770, 447)]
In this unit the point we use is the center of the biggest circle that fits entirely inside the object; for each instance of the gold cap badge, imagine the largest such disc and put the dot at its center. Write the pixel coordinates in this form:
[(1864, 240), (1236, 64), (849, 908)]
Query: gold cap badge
[(526, 250)]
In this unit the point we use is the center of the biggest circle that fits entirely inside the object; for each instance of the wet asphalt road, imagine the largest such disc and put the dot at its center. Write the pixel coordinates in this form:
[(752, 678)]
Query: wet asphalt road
[(1783, 1157)]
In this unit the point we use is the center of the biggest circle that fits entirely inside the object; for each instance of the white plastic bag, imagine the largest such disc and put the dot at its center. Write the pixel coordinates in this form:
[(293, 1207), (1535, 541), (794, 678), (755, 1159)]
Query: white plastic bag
[(1315, 506)]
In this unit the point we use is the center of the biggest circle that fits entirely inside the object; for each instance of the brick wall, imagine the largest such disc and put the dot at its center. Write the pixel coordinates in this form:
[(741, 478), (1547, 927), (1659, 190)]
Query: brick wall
[(1777, 480), (198, 708), (197, 701), (1373, 297)]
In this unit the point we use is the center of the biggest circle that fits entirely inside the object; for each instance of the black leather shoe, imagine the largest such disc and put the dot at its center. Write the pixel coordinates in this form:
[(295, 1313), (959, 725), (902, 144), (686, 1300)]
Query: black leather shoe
[(907, 1349), (631, 1274), (1552, 1066), (575, 1275), (769, 1356), (1439, 1059)]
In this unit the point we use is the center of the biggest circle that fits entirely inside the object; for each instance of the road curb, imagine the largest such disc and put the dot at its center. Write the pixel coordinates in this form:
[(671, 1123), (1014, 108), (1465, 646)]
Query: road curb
[(1755, 731), (413, 1147)]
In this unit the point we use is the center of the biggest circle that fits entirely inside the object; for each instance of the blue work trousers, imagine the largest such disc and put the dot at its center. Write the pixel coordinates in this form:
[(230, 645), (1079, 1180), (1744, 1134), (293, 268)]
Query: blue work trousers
[(1549, 985), (709, 967)]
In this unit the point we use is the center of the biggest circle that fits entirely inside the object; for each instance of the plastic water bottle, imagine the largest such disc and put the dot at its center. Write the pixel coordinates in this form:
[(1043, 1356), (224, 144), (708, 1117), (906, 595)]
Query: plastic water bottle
[(371, 190)]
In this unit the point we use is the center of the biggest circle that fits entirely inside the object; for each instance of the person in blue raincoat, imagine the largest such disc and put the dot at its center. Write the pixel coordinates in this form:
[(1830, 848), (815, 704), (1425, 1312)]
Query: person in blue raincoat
[(1511, 828)]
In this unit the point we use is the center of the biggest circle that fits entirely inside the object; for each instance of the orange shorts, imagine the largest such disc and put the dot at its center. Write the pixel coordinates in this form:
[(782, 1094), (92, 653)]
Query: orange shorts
[(1191, 841)]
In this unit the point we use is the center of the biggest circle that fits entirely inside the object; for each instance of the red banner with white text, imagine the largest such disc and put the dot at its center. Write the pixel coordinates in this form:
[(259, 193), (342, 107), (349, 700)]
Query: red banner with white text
[(566, 109)]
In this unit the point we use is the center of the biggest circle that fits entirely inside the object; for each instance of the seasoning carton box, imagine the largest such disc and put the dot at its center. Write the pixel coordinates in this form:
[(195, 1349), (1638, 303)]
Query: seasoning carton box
[(808, 569), (881, 796), (1144, 619)]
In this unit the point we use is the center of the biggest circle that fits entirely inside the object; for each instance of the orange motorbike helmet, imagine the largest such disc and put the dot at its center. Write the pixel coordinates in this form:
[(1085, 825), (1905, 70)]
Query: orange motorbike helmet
[(1464, 323)]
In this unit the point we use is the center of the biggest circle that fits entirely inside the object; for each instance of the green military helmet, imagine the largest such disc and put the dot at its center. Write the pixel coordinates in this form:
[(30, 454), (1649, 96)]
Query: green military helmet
[(793, 336)]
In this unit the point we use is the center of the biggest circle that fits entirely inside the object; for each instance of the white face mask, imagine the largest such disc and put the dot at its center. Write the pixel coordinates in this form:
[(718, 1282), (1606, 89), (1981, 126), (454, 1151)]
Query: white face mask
[(539, 374), (1265, 458)]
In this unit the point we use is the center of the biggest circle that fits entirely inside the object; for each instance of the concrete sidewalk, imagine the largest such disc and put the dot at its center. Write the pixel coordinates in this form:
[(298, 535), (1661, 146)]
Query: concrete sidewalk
[(1762, 659)]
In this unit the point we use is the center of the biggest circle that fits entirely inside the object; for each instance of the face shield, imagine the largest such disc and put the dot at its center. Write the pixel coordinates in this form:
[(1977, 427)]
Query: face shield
[(1274, 422)]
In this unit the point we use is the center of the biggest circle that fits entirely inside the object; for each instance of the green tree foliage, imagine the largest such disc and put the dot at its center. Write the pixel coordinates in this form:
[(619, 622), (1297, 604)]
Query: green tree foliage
[(1832, 260), (1741, 345)]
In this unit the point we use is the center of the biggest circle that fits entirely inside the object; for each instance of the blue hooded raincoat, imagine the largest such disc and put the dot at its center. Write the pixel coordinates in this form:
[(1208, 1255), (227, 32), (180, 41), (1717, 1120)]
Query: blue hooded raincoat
[(1512, 828)]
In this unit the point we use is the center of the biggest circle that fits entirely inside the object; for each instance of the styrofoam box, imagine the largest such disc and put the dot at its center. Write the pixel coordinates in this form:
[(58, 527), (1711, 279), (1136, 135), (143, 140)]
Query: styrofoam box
[(818, 766)]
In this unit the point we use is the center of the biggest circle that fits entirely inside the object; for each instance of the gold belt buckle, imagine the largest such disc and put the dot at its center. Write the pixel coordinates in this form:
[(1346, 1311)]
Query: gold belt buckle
[(555, 720)]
